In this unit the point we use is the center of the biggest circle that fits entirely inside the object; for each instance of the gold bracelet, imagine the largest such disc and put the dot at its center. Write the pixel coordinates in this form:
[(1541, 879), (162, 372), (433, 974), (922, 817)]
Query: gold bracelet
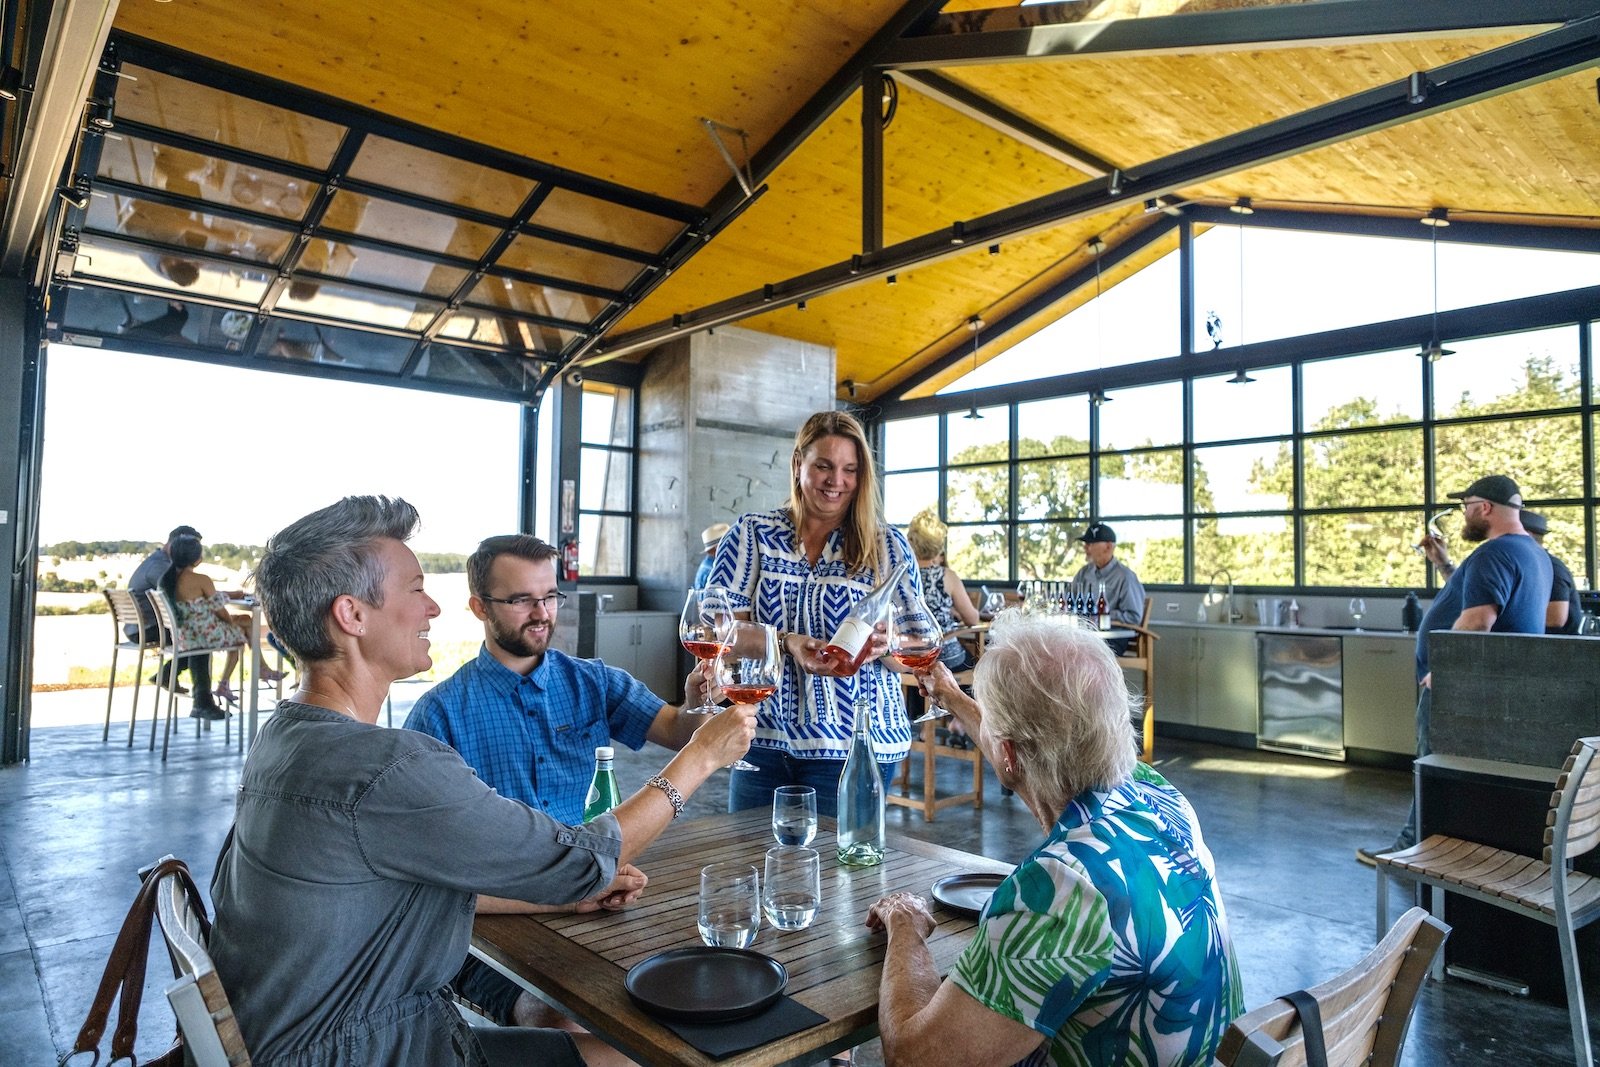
[(674, 797)]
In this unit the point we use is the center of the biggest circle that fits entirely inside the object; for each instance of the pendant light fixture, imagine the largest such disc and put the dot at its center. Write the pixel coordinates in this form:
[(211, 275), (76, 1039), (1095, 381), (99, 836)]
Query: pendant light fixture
[(1098, 396), (1239, 376), (1435, 220), (974, 324)]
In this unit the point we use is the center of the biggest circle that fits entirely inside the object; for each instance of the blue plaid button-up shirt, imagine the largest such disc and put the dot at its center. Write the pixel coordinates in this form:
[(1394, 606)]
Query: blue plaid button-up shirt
[(533, 739)]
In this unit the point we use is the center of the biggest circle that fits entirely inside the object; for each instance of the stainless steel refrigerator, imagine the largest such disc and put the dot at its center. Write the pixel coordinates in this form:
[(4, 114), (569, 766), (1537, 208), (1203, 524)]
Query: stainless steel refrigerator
[(1302, 694)]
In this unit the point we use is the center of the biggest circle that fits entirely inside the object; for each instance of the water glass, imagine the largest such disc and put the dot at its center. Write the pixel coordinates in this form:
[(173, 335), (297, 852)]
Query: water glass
[(730, 905), (793, 887), (794, 814)]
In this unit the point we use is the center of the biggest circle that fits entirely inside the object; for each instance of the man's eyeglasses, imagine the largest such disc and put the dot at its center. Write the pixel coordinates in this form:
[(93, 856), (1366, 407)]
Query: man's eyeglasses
[(526, 601)]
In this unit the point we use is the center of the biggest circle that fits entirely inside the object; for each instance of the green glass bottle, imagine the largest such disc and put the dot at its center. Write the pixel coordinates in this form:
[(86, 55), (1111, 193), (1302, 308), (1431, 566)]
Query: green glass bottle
[(603, 793)]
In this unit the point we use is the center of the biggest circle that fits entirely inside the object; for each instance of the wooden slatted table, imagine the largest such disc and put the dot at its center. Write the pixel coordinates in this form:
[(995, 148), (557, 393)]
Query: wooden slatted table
[(577, 962)]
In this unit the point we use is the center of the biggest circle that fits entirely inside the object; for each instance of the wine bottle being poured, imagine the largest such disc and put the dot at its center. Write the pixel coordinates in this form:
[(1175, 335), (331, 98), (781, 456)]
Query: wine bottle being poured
[(847, 649)]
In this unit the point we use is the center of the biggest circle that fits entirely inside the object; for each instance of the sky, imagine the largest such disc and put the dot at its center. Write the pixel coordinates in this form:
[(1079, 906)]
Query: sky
[(135, 445)]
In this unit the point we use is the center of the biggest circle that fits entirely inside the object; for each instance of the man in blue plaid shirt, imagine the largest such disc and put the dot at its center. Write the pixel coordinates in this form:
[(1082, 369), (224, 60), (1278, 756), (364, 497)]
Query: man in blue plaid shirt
[(528, 718)]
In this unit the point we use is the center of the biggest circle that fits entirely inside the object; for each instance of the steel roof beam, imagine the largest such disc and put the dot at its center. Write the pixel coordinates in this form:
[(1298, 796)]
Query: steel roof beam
[(1500, 70), (1057, 31), (996, 116)]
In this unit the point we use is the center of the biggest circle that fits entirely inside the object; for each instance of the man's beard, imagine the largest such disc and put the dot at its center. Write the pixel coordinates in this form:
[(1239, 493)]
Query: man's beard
[(1475, 529), (519, 641)]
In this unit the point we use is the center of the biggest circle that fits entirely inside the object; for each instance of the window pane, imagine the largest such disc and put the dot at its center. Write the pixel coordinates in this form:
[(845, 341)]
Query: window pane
[(1055, 427), (906, 494), (1047, 551), (1053, 489), (605, 480), (1545, 456), (604, 220), (1565, 540), (1153, 548), (1516, 372), (976, 440), (975, 494), (440, 177), (1225, 411), (1238, 477), (1133, 320), (607, 417), (603, 547), (1370, 390), (1144, 483), (349, 349), (1254, 549), (911, 443), (1372, 549), (978, 553), (1148, 415), (1359, 469), (554, 259), (354, 304), (225, 279)]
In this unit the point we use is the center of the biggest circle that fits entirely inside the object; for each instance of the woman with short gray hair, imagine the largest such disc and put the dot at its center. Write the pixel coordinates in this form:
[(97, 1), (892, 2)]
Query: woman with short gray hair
[(1108, 944), (344, 891)]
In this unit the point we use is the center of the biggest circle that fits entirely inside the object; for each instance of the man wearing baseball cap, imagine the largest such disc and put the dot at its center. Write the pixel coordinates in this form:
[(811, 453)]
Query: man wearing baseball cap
[(710, 538), (1502, 587), (1561, 615), (1124, 594)]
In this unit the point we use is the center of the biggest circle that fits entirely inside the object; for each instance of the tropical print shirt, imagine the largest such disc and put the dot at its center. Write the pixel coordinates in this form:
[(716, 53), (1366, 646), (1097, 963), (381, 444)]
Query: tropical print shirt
[(1110, 939)]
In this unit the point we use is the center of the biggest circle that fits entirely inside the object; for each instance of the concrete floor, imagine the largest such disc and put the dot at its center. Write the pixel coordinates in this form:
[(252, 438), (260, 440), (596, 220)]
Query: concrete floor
[(82, 816)]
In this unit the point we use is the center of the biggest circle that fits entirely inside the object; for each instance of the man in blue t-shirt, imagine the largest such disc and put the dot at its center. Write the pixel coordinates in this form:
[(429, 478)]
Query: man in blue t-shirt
[(528, 717), (1502, 587)]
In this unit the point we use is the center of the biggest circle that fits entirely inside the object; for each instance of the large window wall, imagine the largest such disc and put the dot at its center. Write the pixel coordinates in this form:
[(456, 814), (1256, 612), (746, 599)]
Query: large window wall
[(1319, 472)]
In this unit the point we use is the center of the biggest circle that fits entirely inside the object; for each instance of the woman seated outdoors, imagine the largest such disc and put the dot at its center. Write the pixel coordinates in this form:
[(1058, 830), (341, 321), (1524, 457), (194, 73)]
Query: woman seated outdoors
[(202, 616), (1108, 944), (345, 890)]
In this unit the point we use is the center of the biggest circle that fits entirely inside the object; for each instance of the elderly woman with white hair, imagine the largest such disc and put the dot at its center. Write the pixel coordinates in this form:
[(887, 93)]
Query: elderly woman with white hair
[(1108, 944)]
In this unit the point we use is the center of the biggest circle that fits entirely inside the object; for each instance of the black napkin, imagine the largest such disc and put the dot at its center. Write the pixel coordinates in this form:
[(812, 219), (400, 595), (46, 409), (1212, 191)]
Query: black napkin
[(786, 1016)]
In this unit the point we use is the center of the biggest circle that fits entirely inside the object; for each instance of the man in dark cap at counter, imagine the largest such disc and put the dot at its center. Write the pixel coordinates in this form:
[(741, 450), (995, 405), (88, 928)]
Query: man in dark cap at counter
[(1124, 594), (1502, 587), (1561, 615)]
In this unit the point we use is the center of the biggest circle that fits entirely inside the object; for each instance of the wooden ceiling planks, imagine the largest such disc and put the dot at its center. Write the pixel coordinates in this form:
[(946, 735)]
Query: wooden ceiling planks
[(1132, 110), (1526, 153), (614, 92), (939, 167)]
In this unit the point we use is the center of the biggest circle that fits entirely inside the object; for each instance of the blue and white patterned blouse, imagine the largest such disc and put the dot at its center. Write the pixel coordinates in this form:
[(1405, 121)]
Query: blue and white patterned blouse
[(762, 565)]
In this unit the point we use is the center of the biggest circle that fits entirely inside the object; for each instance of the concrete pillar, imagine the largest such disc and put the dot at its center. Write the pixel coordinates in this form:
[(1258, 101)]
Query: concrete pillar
[(717, 418)]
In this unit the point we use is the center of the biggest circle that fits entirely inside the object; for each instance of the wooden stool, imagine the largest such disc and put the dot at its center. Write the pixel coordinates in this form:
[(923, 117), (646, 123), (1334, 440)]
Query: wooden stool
[(928, 745)]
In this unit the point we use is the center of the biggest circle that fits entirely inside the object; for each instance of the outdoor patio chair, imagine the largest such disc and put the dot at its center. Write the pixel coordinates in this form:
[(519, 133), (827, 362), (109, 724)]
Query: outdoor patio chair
[(171, 650), (125, 612)]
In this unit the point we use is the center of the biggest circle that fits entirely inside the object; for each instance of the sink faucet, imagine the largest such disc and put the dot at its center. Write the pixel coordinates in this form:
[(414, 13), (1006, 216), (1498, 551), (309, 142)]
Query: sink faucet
[(1234, 615)]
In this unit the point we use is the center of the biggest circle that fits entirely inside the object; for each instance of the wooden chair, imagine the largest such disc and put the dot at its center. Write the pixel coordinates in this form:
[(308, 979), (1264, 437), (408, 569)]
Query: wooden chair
[(1542, 889), (210, 1031), (1143, 660), (125, 612), (1365, 1011), (926, 744)]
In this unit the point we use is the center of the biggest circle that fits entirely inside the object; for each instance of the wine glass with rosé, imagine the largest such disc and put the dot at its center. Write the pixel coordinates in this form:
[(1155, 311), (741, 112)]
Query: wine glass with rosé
[(749, 668), (703, 628), (915, 641)]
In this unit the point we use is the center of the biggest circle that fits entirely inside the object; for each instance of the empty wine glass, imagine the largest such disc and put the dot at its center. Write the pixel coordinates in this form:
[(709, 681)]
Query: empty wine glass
[(730, 905), (794, 814), (915, 641), (1358, 608), (993, 604), (703, 628), (791, 887), (749, 668)]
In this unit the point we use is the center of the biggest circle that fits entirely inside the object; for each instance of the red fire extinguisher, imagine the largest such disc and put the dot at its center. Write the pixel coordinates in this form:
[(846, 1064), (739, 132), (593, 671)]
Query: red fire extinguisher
[(569, 560)]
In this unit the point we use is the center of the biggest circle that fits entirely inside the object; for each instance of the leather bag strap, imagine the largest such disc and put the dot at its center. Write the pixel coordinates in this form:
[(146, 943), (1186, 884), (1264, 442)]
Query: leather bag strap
[(123, 980), (1310, 1027)]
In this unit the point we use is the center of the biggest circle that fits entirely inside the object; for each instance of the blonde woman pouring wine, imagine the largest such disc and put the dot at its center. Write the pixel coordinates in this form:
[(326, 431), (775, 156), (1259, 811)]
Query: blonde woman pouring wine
[(801, 568)]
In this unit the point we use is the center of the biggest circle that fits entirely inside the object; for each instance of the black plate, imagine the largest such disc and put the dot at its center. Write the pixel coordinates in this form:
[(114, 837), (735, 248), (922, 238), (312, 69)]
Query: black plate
[(706, 985), (966, 893)]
